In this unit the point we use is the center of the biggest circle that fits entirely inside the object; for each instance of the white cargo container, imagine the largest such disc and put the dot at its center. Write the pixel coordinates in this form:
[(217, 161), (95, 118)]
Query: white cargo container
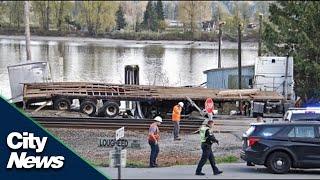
[(27, 72), (270, 75)]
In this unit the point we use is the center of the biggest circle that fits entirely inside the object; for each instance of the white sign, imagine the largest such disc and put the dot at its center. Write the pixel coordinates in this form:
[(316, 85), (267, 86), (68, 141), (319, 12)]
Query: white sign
[(119, 133), (114, 162)]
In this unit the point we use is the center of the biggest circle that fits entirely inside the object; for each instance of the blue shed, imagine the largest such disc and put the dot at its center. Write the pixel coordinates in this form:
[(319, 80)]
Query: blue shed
[(227, 78)]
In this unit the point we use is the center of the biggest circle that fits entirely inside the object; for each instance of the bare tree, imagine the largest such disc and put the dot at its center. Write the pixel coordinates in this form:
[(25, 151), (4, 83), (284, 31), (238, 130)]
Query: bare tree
[(133, 11), (27, 28), (192, 13)]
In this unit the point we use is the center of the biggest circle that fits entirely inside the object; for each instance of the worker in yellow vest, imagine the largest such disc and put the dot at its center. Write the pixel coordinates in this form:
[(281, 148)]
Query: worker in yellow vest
[(207, 138), (176, 117)]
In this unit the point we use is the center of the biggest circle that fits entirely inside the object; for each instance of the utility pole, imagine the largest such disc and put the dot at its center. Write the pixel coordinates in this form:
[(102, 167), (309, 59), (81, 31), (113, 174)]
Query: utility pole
[(260, 34), (286, 78), (27, 28), (220, 39), (239, 63), (291, 49), (48, 15), (239, 55)]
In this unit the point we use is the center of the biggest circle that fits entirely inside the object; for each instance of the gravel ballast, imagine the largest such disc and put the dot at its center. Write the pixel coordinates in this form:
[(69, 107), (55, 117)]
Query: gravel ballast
[(86, 143)]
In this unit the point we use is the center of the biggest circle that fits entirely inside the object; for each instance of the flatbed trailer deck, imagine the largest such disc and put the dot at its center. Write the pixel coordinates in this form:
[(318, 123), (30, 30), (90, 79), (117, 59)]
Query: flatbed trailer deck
[(157, 96), (45, 91)]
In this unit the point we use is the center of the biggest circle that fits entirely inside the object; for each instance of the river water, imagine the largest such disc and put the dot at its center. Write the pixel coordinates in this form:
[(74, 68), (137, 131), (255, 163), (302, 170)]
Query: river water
[(168, 63)]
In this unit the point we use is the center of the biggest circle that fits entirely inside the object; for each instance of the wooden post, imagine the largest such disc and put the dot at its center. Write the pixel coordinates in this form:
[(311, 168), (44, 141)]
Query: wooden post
[(239, 55), (286, 79), (239, 64), (220, 39), (260, 35), (48, 16), (27, 29), (219, 52)]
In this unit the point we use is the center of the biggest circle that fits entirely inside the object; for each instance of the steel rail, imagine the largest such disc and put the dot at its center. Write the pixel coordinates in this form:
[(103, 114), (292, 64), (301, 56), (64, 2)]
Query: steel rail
[(114, 123)]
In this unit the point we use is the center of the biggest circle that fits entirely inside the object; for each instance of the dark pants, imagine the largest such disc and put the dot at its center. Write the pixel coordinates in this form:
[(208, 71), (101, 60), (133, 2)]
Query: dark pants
[(176, 129), (154, 153), (207, 154)]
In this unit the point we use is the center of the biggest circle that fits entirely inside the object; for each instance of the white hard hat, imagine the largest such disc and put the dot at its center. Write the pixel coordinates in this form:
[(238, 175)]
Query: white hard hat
[(181, 104), (158, 118)]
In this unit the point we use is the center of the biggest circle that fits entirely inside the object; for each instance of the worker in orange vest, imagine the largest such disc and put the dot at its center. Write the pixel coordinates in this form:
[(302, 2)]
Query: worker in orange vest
[(176, 116), (153, 139)]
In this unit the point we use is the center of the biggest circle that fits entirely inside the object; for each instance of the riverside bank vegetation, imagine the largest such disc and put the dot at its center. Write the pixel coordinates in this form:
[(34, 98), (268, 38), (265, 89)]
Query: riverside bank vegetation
[(137, 20)]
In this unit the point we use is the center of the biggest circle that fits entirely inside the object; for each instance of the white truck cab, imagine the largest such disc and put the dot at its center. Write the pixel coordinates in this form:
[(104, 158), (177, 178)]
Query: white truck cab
[(302, 114)]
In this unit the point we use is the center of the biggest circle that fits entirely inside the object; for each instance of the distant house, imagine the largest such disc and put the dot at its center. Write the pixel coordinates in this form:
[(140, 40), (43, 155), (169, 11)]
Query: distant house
[(208, 25), (174, 23), (251, 26)]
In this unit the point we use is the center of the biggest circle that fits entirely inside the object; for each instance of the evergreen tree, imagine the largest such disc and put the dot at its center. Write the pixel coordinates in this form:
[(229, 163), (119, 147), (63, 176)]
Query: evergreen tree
[(159, 10), (297, 23), (150, 17), (121, 22)]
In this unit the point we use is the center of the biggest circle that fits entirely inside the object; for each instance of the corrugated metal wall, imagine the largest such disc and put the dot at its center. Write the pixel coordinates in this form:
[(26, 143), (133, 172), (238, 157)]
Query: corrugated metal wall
[(228, 78)]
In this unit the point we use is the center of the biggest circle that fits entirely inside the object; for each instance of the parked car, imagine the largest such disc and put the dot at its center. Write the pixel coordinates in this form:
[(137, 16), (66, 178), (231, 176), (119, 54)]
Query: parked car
[(302, 114), (282, 145)]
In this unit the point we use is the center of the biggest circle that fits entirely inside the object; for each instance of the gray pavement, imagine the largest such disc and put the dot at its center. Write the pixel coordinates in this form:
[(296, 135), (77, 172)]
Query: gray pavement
[(230, 171)]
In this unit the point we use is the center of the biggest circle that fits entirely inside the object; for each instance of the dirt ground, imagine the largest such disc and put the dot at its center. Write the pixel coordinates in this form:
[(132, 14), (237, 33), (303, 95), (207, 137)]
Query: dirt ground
[(85, 142)]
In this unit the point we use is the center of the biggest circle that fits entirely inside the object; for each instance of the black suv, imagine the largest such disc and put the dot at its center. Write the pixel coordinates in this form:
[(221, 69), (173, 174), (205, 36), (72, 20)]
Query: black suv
[(280, 146)]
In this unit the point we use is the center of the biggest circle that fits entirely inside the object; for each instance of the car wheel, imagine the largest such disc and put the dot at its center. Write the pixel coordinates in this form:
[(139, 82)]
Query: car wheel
[(279, 163)]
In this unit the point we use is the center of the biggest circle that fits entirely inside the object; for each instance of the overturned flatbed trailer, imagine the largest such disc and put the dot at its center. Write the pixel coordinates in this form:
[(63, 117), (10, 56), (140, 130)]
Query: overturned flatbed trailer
[(151, 98)]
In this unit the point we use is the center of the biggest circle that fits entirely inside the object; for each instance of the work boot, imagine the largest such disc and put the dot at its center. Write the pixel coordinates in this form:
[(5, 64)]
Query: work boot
[(218, 172), (177, 139), (200, 174)]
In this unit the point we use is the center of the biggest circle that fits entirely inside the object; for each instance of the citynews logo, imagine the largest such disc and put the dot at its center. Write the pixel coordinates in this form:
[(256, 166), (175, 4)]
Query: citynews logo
[(16, 140)]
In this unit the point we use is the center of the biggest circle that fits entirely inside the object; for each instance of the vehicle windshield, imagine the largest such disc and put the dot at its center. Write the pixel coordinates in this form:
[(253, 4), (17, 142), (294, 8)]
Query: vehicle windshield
[(307, 116)]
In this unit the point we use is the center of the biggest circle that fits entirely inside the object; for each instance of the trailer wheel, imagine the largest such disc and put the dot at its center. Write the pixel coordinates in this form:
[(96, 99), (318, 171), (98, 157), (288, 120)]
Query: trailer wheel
[(62, 104), (88, 107), (110, 109)]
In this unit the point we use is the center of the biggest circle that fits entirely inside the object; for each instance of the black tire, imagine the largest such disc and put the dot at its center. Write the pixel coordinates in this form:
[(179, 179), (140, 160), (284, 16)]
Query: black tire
[(88, 107), (279, 163), (62, 104), (109, 109)]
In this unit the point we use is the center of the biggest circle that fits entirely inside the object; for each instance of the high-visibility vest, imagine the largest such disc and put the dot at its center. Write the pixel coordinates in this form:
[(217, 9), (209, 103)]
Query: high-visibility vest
[(203, 130), (176, 113)]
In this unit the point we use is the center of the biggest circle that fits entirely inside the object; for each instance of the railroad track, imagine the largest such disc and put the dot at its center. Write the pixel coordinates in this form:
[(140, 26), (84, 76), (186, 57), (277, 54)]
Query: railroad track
[(132, 124)]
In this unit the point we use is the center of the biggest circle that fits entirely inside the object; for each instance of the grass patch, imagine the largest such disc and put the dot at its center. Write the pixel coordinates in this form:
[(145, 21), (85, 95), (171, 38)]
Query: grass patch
[(167, 163), (129, 164), (172, 34), (219, 159), (98, 163), (227, 159), (135, 164)]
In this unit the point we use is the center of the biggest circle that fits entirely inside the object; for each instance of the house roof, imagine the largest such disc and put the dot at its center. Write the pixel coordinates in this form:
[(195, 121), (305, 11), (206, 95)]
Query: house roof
[(226, 68)]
